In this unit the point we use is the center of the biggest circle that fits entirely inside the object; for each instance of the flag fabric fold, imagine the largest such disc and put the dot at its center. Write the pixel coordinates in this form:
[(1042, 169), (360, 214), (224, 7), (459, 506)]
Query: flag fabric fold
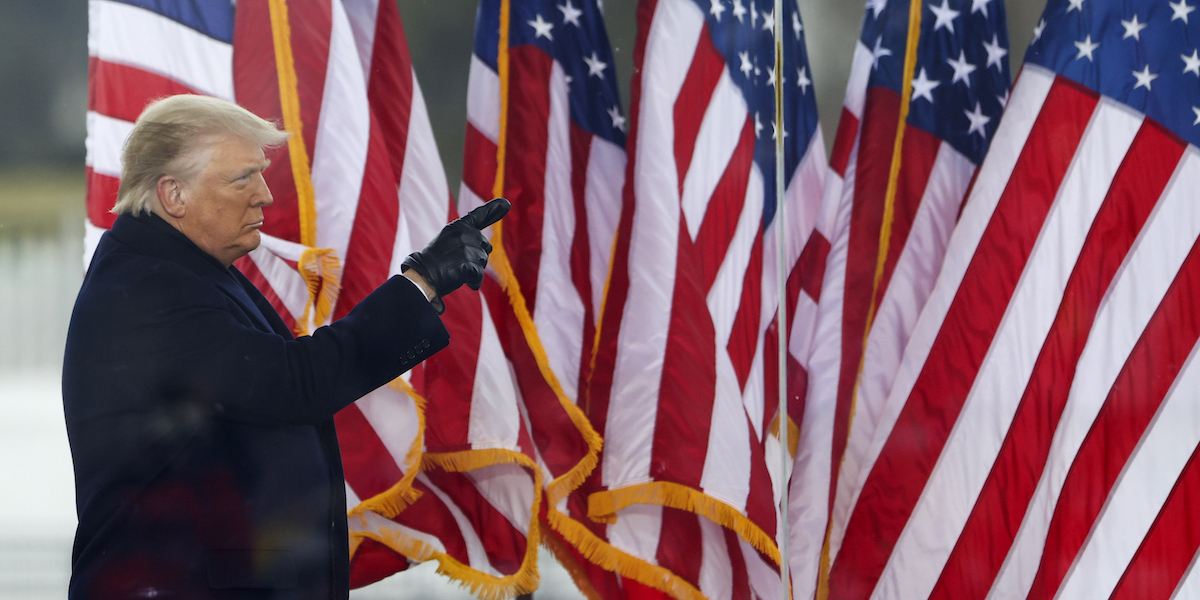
[(685, 387), (1039, 438)]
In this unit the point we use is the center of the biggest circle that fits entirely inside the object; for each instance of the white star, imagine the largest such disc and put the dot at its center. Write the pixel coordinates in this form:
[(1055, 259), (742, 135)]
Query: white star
[(1197, 111), (753, 14), (1086, 47), (995, 52), (757, 125), (617, 120), (962, 69), (768, 21), (1003, 99), (775, 131), (876, 6), (570, 13), (595, 66), (980, 6), (796, 26), (1191, 64), (1075, 5), (739, 11), (746, 66), (541, 28), (922, 86), (879, 52), (1133, 29), (771, 76), (978, 120), (1181, 10), (568, 79), (802, 79), (716, 9), (1144, 77), (1037, 31), (945, 16)]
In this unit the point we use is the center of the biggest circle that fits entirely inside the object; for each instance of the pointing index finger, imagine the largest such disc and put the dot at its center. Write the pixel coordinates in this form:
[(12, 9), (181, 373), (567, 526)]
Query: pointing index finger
[(488, 214)]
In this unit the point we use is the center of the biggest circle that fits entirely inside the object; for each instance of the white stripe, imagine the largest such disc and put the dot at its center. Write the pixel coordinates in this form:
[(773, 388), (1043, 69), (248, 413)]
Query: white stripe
[(128, 35), (975, 440), (1141, 490), (602, 198), (764, 577), (494, 420), (393, 417), (725, 295), (637, 531), (716, 571), (860, 74), (476, 554), (1189, 584), (558, 310), (1134, 295), (374, 522), (1024, 106), (718, 137), (285, 281), (911, 283), (105, 139), (362, 15), (653, 248), (424, 193), (340, 156), (509, 489), (483, 99)]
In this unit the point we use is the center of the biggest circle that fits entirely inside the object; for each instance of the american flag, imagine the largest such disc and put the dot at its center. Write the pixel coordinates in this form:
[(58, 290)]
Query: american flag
[(921, 107), (358, 187), (685, 384), (1040, 437)]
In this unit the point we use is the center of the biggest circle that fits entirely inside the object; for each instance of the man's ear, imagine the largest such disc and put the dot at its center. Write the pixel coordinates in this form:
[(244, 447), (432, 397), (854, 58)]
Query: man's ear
[(170, 196)]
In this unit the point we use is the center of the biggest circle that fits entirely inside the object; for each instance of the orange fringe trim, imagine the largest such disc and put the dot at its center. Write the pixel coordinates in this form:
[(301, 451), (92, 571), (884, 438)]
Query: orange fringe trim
[(793, 433), (603, 507)]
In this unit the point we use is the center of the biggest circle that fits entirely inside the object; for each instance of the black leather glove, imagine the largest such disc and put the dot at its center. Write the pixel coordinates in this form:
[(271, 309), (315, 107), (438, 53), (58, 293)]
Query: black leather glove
[(459, 252)]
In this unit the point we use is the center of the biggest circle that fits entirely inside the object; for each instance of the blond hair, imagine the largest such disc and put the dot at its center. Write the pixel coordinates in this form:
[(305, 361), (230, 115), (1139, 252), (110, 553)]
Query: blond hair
[(173, 136)]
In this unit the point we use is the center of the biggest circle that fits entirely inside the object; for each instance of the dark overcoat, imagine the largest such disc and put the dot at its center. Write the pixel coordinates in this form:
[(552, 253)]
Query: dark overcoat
[(206, 460)]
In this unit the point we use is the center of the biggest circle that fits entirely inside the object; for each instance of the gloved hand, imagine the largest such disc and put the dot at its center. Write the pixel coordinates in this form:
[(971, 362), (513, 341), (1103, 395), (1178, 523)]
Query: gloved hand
[(459, 252)]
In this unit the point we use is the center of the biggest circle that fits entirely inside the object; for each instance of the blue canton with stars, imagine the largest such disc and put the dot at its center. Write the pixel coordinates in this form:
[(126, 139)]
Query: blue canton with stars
[(1139, 52), (571, 31), (743, 32), (961, 81)]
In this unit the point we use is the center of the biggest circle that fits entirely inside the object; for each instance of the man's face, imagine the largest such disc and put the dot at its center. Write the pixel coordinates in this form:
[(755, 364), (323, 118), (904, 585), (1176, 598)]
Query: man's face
[(225, 201)]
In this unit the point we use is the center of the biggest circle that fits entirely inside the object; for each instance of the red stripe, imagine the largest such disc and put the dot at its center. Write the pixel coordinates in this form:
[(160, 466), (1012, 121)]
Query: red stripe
[(121, 92), (797, 379), (370, 469), (760, 502), (101, 197), (743, 337), (918, 154), (581, 259), (503, 543), (725, 208), (680, 544), (430, 515), (809, 272), (920, 432), (450, 375), (1136, 394), (1000, 508), (692, 102), (250, 269), (556, 438), (1170, 546), (479, 163), (525, 167), (390, 88), (740, 580), (373, 561), (689, 376), (843, 142), (368, 258)]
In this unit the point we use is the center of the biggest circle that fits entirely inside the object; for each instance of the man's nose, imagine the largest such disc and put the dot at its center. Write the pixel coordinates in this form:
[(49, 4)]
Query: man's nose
[(263, 197)]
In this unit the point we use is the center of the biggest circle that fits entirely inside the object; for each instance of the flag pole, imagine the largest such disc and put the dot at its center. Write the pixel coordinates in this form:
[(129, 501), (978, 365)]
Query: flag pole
[(781, 312)]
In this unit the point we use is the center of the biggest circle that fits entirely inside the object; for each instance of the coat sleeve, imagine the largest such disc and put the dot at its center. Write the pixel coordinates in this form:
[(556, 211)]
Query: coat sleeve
[(201, 351)]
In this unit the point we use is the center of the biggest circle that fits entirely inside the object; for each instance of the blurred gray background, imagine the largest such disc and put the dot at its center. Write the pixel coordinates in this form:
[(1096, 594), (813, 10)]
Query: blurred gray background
[(43, 100)]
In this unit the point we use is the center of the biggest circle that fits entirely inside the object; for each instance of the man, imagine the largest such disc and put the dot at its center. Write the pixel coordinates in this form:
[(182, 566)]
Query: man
[(206, 460)]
